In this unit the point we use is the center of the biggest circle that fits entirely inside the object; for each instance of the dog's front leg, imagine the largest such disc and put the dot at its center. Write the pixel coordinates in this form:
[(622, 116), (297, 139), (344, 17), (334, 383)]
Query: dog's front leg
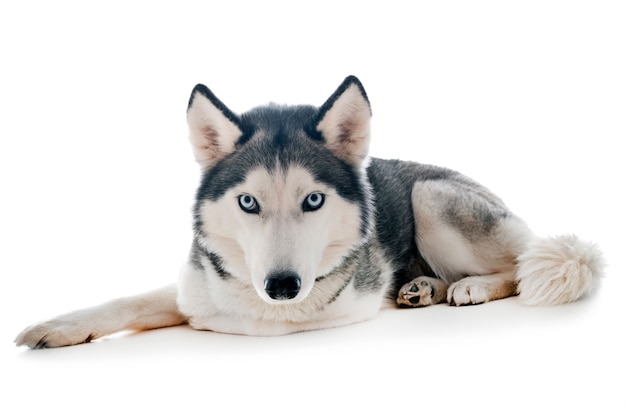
[(153, 309)]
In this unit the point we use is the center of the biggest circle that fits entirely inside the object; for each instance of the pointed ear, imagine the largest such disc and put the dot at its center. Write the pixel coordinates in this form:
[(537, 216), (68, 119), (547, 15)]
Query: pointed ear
[(213, 128), (344, 122)]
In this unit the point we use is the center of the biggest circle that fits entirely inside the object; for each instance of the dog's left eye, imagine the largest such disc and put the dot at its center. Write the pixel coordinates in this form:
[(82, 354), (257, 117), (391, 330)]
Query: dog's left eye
[(313, 202)]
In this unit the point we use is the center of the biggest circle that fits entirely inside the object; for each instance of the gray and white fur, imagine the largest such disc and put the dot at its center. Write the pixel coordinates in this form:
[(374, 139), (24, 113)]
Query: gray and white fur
[(296, 229)]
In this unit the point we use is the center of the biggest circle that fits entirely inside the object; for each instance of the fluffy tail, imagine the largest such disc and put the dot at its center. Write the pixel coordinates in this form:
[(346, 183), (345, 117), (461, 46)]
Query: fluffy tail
[(558, 270)]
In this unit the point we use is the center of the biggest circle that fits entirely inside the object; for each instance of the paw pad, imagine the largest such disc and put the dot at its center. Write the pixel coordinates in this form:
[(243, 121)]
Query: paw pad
[(417, 293)]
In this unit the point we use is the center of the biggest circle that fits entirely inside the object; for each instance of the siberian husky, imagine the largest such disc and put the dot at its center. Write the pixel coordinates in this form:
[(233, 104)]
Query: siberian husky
[(297, 229)]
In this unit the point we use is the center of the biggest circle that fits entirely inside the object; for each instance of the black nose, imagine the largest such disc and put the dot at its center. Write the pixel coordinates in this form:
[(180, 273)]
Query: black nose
[(282, 285)]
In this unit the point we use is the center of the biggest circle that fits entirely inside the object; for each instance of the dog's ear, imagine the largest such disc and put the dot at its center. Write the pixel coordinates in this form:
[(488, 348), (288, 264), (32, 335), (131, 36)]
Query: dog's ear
[(213, 128), (344, 122)]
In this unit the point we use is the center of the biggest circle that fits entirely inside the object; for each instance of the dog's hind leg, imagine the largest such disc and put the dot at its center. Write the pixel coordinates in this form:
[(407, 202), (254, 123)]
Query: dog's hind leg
[(470, 240), (150, 310), (422, 291), (482, 288)]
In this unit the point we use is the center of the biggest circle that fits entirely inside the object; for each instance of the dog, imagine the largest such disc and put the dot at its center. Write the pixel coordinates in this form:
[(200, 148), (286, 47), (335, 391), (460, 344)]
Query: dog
[(296, 228)]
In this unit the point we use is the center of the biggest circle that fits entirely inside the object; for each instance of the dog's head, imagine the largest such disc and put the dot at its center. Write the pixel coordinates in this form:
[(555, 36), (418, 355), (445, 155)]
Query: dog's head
[(284, 198)]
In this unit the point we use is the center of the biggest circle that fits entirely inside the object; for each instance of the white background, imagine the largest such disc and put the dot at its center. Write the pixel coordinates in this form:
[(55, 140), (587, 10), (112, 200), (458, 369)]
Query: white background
[(97, 181)]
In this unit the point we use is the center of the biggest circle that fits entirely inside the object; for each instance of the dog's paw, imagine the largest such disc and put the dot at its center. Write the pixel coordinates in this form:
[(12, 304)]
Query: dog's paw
[(54, 333), (464, 293), (422, 291), (467, 291), (481, 289)]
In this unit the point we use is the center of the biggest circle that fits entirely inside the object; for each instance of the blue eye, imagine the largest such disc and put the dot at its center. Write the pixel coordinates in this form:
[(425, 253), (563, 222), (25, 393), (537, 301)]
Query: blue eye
[(313, 202), (248, 204)]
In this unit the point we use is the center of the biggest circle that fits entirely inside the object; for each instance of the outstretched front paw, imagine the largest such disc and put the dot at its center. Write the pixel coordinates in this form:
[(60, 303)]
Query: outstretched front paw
[(422, 291), (55, 333)]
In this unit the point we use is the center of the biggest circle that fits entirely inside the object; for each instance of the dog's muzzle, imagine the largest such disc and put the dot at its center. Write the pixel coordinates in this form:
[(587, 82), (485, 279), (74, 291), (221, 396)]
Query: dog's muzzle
[(282, 285)]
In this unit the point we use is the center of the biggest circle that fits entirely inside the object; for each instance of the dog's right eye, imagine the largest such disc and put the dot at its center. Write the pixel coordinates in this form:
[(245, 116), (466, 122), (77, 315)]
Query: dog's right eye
[(248, 204)]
